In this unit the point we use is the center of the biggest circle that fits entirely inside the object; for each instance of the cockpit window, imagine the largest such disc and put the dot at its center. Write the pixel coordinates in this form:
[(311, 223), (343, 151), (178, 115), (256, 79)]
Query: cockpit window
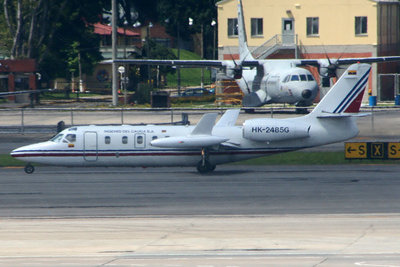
[(303, 77), (57, 138), (310, 77), (294, 78), (71, 138), (286, 79)]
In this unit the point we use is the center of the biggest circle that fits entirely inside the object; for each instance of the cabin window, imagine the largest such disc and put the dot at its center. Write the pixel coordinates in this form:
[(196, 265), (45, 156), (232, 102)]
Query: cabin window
[(312, 26), (139, 140), (154, 137), (107, 140), (294, 78), (124, 140), (256, 26), (310, 77), (233, 27), (361, 25), (303, 77), (57, 138), (71, 138)]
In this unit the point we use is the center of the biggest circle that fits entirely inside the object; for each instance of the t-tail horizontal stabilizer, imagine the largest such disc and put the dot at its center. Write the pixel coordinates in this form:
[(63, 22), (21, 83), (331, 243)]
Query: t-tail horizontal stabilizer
[(200, 137), (344, 98)]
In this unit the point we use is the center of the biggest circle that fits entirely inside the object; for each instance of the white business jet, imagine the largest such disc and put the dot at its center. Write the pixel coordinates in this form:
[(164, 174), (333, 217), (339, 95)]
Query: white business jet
[(206, 144), (268, 80)]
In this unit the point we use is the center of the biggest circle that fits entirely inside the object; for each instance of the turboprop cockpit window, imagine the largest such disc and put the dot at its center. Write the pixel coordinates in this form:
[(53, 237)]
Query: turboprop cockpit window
[(310, 77), (294, 78), (70, 138), (303, 77), (57, 138), (286, 79)]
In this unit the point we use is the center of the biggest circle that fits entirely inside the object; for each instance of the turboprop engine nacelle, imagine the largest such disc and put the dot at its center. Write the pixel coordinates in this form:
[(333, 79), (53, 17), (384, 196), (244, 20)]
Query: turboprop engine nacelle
[(264, 130)]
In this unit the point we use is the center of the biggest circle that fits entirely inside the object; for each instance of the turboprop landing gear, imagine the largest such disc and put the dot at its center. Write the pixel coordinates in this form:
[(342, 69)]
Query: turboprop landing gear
[(29, 168), (204, 165)]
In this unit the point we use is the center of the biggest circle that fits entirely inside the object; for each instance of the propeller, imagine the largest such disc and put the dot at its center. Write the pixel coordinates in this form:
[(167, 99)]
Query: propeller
[(331, 68), (238, 72)]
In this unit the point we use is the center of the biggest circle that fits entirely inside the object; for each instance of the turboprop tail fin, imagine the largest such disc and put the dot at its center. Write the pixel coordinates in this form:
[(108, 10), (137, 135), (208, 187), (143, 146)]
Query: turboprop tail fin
[(345, 96), (244, 51)]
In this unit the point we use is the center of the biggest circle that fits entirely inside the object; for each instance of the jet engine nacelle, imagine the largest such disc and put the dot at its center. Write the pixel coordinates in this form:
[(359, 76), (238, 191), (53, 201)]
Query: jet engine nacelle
[(264, 130)]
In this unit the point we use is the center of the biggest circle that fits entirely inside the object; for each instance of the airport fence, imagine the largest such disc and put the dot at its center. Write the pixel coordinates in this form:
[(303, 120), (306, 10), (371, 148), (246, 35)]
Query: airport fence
[(50, 120)]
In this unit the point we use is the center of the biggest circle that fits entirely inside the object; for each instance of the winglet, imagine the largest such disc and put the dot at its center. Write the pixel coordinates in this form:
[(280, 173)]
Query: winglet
[(229, 118), (205, 125)]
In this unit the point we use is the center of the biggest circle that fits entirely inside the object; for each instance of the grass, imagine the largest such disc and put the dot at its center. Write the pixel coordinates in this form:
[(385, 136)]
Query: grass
[(8, 161), (290, 158), (310, 158), (189, 76)]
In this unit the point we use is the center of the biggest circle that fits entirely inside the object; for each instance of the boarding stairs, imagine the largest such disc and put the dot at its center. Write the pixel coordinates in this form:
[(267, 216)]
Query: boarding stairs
[(276, 43)]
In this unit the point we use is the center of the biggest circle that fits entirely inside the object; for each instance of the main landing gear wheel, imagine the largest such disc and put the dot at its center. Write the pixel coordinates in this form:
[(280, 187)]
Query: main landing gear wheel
[(204, 165), (29, 169)]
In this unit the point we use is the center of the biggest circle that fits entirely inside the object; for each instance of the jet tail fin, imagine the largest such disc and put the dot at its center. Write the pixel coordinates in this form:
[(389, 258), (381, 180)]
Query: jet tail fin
[(244, 51), (346, 94)]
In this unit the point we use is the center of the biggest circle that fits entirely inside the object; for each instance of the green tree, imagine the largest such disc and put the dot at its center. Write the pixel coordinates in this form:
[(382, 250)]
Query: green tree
[(174, 16), (178, 12), (46, 29)]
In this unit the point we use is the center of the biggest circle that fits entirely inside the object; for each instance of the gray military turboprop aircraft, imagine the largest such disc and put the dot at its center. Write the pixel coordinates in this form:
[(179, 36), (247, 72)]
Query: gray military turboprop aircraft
[(269, 80)]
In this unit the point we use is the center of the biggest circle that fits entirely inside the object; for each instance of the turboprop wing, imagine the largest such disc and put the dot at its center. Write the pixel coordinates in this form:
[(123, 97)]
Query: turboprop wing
[(200, 137)]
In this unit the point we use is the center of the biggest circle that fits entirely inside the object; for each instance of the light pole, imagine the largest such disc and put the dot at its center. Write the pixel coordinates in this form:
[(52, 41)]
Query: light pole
[(178, 69), (201, 49), (214, 25), (121, 70), (148, 50), (114, 53)]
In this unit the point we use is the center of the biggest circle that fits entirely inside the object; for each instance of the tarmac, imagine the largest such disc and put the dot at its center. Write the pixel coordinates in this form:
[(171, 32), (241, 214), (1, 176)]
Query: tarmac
[(311, 215)]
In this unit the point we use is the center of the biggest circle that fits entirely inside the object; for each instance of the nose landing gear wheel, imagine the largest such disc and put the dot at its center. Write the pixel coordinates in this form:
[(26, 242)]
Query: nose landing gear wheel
[(29, 169)]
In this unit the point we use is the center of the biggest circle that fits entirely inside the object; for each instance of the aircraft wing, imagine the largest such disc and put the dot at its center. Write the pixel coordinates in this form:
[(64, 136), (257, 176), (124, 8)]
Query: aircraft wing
[(171, 62), (187, 63), (347, 61), (201, 136)]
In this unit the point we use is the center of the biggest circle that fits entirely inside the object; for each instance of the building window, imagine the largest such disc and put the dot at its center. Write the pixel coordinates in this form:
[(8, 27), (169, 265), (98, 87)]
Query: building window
[(256, 27), (233, 27), (361, 25), (312, 26)]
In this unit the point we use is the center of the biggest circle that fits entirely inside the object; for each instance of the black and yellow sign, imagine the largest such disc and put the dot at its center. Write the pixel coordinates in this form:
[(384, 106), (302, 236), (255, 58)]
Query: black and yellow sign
[(394, 150), (372, 150), (355, 150)]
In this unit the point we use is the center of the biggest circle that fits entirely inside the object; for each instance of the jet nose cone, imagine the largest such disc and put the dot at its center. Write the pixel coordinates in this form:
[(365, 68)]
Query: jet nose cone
[(306, 94)]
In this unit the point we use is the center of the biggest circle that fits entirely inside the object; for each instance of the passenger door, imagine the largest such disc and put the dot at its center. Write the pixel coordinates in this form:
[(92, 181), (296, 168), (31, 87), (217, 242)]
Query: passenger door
[(90, 149)]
